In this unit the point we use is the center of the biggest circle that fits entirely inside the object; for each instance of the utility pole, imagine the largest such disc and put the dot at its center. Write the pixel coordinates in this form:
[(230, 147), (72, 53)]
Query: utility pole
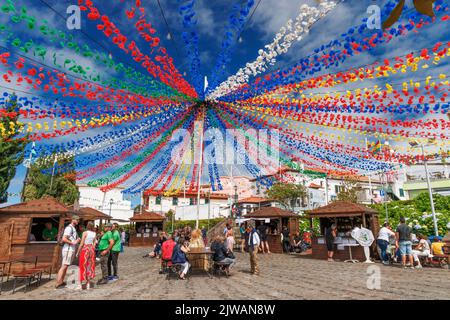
[(415, 144), (430, 192)]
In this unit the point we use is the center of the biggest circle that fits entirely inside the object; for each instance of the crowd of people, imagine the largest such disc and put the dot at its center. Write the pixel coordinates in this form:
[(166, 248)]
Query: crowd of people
[(398, 246), (174, 249), (297, 244), (89, 244)]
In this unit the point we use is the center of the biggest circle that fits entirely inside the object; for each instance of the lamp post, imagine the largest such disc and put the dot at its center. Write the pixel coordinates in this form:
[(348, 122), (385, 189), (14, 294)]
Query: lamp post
[(235, 200), (415, 144), (209, 205), (111, 201), (384, 179)]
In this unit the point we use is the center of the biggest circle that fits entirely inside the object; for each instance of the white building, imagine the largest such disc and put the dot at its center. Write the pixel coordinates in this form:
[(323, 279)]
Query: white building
[(111, 202), (184, 204), (323, 189)]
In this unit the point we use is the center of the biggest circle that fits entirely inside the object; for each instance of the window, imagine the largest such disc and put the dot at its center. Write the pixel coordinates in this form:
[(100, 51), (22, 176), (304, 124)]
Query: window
[(206, 200), (158, 199), (337, 189), (191, 201), (402, 192), (175, 201), (44, 229)]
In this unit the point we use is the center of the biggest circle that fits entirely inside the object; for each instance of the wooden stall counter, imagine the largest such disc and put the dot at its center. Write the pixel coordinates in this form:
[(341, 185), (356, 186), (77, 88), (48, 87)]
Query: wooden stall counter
[(342, 247), (274, 241), (145, 229), (275, 219), (346, 216)]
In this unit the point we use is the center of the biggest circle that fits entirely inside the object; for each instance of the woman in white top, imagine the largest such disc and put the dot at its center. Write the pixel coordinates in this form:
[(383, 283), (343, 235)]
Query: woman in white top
[(422, 250), (86, 252), (383, 241)]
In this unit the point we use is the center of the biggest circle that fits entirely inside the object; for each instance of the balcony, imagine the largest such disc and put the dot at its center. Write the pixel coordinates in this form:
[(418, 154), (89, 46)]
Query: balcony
[(434, 176)]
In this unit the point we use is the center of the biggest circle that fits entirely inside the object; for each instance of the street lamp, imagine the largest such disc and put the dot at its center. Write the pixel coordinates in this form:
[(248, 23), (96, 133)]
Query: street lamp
[(235, 199), (416, 144), (111, 201), (208, 194)]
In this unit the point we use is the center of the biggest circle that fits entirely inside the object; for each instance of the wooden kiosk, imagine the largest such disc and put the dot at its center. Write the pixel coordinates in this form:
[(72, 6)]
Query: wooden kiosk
[(346, 216), (21, 227), (275, 219), (145, 229)]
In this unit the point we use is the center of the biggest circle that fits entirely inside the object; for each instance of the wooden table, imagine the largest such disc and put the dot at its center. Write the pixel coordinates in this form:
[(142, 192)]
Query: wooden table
[(196, 254)]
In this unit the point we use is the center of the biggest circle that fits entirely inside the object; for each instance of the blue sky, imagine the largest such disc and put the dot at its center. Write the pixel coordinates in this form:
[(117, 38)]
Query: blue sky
[(212, 18)]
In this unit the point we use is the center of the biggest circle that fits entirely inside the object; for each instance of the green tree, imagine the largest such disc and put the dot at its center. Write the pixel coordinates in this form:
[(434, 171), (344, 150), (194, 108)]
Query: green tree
[(11, 146), (63, 187), (284, 193), (349, 190)]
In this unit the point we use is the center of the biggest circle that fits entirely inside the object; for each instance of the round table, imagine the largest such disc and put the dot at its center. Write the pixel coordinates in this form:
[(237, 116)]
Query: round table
[(350, 245)]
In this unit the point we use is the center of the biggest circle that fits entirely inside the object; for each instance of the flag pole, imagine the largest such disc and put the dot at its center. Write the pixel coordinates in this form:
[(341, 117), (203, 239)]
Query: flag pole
[(200, 168)]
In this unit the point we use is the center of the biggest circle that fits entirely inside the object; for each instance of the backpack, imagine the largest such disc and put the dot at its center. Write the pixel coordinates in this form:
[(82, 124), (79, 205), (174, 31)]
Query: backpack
[(177, 255), (61, 235)]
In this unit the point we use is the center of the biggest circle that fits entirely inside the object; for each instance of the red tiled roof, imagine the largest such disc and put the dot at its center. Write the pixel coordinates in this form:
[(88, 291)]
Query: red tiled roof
[(43, 205), (255, 200), (267, 212), (341, 208), (148, 216), (314, 186)]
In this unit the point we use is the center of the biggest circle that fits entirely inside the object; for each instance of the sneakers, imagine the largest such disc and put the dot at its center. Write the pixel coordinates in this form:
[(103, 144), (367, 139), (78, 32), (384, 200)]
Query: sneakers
[(418, 267), (113, 278)]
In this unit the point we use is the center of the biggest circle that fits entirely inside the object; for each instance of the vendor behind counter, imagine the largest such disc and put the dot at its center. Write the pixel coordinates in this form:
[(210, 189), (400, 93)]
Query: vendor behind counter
[(346, 216)]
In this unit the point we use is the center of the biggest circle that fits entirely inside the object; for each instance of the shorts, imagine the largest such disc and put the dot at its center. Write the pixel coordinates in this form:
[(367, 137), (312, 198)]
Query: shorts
[(67, 257), (330, 245), (405, 247), (264, 237)]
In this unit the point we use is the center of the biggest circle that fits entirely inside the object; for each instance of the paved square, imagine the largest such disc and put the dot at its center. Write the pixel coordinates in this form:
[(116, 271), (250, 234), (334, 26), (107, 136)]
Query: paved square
[(282, 277)]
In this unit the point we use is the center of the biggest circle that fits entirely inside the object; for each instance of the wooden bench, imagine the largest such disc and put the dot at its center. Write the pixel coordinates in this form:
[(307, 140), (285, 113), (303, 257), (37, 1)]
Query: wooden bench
[(31, 274)]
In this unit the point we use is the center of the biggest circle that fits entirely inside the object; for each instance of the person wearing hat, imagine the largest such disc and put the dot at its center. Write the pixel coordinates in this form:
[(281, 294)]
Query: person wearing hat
[(69, 241), (104, 247)]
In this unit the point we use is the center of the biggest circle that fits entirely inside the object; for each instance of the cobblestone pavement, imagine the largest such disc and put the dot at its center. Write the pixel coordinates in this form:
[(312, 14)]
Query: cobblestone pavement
[(282, 277)]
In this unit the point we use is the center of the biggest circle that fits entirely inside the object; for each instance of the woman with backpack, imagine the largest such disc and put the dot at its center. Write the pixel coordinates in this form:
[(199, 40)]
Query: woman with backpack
[(179, 257)]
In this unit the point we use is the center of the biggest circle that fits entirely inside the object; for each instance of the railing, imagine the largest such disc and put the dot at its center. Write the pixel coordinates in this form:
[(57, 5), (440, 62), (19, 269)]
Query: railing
[(433, 177), (216, 230)]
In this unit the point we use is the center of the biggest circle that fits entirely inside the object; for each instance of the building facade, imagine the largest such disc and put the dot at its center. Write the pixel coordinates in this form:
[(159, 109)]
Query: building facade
[(111, 203), (184, 204), (414, 179)]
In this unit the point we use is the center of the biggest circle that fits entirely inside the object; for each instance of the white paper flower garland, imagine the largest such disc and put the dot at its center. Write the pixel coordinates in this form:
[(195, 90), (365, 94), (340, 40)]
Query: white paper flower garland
[(292, 31)]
